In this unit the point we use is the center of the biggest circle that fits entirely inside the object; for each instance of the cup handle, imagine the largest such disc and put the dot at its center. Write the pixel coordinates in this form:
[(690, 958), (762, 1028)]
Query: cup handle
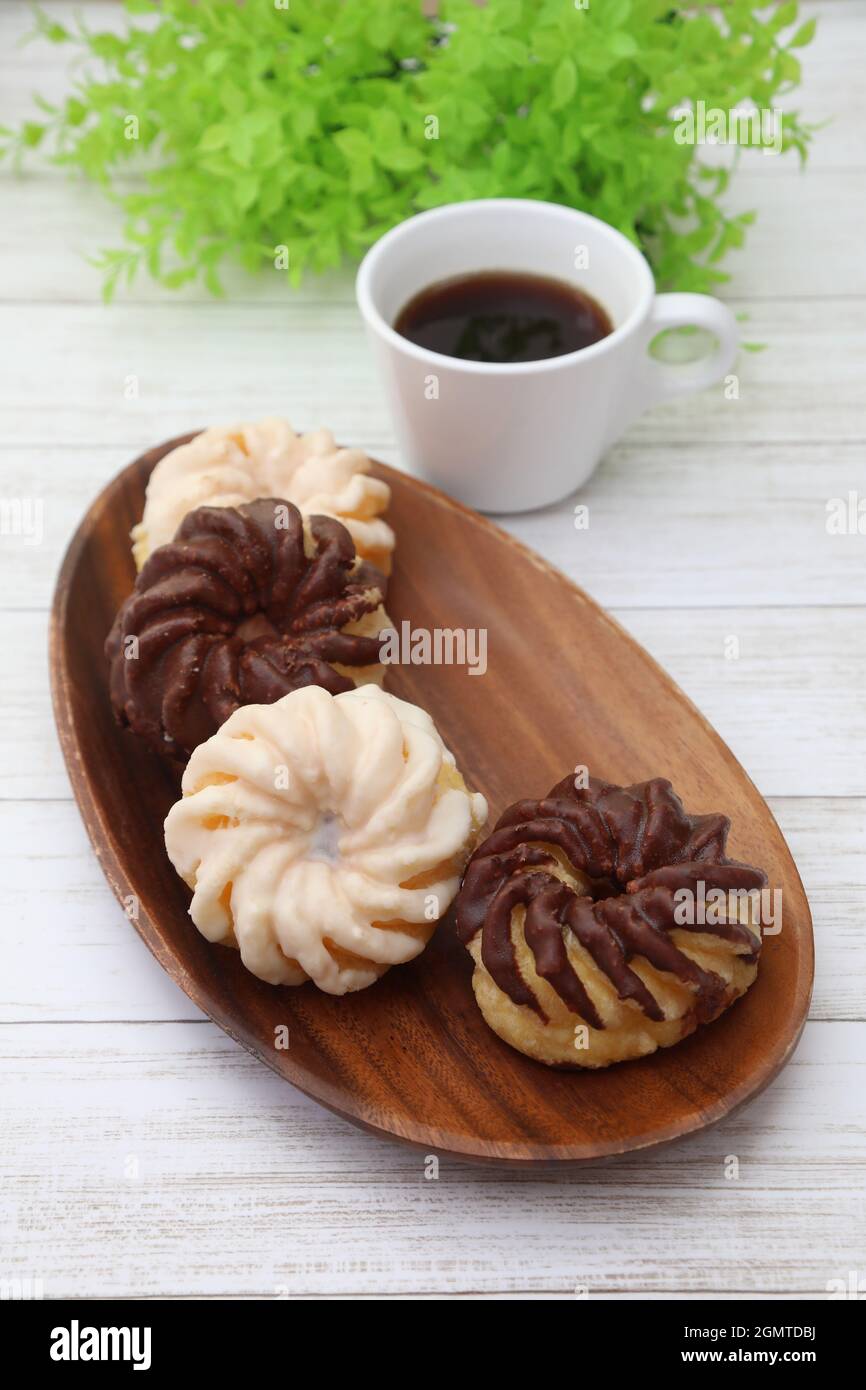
[(659, 381)]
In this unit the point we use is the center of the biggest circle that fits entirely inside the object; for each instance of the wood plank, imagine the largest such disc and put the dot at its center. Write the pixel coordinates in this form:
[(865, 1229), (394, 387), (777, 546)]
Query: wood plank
[(709, 525), (71, 374), (790, 705), (39, 266), (723, 525), (245, 1188), (57, 908), (826, 207)]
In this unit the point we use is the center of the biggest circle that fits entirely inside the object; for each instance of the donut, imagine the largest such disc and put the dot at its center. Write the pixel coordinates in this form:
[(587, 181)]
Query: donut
[(575, 911), (323, 836), (226, 467), (244, 605)]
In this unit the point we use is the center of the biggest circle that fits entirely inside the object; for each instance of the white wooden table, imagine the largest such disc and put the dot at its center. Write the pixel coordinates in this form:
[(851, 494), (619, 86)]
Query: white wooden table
[(144, 1154)]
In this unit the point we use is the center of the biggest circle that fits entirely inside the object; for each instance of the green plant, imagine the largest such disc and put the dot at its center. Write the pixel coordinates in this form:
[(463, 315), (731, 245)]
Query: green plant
[(300, 130)]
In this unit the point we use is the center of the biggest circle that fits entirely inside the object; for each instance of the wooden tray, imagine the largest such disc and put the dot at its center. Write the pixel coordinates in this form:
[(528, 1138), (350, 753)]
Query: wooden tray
[(411, 1057)]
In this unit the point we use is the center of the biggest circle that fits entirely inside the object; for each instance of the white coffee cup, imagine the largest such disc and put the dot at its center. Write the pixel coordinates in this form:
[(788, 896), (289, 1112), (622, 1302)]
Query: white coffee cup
[(509, 437)]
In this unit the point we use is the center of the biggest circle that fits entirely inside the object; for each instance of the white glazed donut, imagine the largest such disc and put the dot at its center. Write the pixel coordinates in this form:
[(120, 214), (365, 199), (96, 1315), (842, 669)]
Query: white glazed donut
[(323, 835), (225, 467)]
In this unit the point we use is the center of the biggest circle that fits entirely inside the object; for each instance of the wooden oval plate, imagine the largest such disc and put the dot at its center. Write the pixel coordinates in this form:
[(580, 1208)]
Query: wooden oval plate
[(411, 1057)]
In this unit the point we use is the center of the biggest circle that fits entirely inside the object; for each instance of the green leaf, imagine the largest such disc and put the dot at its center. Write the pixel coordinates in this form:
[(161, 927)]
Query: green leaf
[(380, 29), (216, 62), (232, 98), (216, 137), (50, 29), (240, 144), (804, 34), (303, 122), (789, 68), (507, 51), (354, 144), (32, 133), (564, 83), (784, 16), (246, 191), (173, 279), (56, 33), (362, 175), (400, 159), (76, 111), (213, 282), (624, 45)]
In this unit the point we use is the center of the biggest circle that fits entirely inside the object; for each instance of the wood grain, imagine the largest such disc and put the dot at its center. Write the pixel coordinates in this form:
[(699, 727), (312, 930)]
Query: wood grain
[(564, 685), (167, 1163), (124, 391), (715, 527)]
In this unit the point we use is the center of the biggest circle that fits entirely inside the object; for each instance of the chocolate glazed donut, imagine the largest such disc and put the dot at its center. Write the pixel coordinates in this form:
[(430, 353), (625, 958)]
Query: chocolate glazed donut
[(244, 605), (600, 866)]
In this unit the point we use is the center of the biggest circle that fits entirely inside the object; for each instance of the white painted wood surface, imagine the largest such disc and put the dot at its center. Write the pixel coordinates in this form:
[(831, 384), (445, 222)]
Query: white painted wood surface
[(144, 1154)]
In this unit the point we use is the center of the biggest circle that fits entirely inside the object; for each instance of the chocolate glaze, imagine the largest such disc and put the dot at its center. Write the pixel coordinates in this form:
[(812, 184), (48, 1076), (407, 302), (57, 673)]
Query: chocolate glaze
[(638, 847), (233, 612)]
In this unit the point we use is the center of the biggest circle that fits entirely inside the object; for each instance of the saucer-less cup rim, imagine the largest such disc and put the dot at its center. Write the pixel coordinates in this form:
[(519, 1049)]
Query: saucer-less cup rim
[(561, 412), (364, 284)]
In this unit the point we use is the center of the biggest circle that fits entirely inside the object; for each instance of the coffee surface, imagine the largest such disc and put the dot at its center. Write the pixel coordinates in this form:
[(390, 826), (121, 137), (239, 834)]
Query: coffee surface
[(502, 316)]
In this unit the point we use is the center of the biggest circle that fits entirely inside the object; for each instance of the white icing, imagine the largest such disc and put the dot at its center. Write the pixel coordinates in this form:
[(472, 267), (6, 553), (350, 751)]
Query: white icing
[(318, 810), (228, 466)]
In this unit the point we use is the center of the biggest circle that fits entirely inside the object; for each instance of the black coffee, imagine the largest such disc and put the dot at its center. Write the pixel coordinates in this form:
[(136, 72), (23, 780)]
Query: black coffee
[(502, 316)]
